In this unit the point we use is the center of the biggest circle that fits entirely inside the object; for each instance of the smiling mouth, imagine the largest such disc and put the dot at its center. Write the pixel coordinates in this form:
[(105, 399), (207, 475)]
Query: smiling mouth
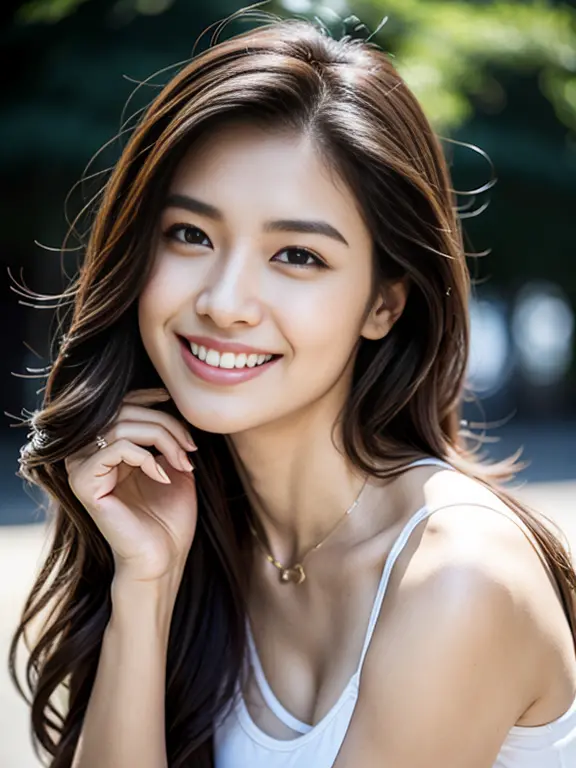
[(226, 360)]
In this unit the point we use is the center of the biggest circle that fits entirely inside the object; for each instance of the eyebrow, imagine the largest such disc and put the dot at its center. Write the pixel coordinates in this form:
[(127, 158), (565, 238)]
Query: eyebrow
[(314, 227)]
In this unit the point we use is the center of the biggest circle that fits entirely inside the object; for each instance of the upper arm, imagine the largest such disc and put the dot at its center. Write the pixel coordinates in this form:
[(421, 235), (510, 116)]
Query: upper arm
[(448, 670)]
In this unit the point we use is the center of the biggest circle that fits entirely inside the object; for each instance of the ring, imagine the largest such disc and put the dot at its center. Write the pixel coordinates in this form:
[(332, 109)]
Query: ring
[(100, 442)]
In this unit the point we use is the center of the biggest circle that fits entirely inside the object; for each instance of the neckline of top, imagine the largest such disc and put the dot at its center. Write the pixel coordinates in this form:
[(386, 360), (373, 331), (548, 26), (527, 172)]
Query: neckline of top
[(307, 730)]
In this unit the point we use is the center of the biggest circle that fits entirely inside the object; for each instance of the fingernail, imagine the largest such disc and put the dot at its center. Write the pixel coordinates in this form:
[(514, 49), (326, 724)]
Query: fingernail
[(187, 464), (162, 473), (191, 445)]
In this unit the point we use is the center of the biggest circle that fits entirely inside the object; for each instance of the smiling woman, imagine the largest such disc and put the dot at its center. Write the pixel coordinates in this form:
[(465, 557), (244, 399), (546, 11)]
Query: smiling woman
[(228, 261), (276, 281)]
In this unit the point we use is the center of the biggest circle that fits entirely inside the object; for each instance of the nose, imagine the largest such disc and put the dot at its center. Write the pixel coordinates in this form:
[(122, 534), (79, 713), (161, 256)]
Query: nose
[(230, 295)]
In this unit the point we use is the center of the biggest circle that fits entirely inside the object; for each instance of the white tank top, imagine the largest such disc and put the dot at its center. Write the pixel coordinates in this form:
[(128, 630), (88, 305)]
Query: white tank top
[(240, 743)]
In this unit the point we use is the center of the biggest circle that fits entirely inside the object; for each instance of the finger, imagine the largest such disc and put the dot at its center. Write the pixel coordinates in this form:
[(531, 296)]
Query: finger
[(143, 396), (135, 458), (175, 427), (137, 413), (96, 477), (149, 433)]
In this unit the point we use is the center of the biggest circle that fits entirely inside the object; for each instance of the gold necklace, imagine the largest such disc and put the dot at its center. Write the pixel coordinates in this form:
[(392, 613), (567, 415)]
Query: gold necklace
[(296, 573)]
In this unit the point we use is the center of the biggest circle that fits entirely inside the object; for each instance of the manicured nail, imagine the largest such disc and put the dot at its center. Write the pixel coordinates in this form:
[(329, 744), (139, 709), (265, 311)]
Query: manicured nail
[(162, 473), (187, 465)]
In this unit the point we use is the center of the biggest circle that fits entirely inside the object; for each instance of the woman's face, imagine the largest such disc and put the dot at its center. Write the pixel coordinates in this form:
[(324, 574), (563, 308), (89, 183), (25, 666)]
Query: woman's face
[(259, 245)]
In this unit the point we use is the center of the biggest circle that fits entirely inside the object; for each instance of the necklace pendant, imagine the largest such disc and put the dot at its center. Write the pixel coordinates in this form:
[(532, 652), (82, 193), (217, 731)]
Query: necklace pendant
[(295, 574)]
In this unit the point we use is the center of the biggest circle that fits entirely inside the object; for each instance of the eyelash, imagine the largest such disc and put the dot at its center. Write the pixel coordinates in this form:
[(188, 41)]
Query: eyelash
[(170, 234)]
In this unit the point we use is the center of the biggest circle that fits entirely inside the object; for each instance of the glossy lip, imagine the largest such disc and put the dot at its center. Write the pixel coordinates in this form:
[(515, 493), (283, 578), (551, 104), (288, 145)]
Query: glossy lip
[(221, 375), (225, 346)]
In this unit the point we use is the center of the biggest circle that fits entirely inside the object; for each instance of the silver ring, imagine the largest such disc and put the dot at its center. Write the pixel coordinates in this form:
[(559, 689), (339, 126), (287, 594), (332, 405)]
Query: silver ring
[(100, 442)]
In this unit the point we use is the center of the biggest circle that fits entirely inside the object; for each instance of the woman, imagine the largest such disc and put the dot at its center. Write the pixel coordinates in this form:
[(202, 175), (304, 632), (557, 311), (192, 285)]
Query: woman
[(275, 277)]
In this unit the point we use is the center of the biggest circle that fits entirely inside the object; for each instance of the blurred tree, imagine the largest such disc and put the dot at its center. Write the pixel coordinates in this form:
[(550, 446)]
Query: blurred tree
[(444, 47), (447, 50), (38, 11)]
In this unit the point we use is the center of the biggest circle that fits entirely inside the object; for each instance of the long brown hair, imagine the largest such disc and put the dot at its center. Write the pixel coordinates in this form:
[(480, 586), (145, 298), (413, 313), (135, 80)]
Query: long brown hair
[(407, 391)]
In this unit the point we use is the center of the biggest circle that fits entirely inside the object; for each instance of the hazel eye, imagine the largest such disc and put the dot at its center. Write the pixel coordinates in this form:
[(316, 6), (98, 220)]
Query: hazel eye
[(302, 258), (186, 234)]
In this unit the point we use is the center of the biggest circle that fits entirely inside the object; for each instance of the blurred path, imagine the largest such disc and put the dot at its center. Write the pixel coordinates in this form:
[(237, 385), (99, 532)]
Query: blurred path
[(20, 552)]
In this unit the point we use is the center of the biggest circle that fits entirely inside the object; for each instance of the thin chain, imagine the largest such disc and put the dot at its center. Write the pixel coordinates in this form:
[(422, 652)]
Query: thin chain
[(298, 565)]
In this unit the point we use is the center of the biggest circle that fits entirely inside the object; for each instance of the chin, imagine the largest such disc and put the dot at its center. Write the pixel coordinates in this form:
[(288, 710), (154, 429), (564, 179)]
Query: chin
[(217, 421)]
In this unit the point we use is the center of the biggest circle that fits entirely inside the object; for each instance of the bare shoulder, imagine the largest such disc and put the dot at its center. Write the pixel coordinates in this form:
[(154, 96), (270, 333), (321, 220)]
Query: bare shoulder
[(469, 520), (472, 540), (459, 653), (450, 668), (472, 545)]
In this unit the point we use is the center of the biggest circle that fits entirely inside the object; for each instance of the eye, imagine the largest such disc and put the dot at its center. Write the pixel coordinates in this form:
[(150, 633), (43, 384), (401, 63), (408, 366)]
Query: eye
[(186, 234), (302, 257)]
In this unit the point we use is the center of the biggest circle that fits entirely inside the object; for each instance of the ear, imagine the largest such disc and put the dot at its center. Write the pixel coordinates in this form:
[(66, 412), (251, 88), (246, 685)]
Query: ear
[(386, 309)]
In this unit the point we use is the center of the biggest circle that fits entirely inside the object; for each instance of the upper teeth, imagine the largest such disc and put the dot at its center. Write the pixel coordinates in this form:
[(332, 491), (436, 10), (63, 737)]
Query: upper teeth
[(227, 359)]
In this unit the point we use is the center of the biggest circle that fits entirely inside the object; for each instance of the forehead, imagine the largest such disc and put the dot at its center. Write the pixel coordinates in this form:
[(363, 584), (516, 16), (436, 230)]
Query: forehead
[(242, 166)]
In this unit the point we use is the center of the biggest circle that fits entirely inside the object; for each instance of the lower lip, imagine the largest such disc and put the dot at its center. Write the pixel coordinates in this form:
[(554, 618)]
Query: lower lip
[(221, 375)]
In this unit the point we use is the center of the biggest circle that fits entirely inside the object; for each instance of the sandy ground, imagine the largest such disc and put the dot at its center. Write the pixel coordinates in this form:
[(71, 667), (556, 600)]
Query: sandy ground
[(21, 549)]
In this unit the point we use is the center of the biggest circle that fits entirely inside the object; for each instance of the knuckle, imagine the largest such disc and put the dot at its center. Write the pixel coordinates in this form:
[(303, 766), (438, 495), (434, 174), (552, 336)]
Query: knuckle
[(123, 444), (114, 433), (160, 434), (127, 412), (173, 426)]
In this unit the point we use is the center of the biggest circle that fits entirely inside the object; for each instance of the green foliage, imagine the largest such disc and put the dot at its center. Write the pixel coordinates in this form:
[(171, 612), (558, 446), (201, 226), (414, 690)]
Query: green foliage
[(448, 50), (51, 11), (46, 11)]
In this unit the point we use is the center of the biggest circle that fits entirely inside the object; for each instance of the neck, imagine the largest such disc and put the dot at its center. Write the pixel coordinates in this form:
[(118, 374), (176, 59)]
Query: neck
[(299, 483)]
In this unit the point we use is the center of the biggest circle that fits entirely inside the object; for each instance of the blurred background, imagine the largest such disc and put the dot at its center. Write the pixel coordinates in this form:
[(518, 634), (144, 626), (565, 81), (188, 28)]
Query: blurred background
[(498, 76)]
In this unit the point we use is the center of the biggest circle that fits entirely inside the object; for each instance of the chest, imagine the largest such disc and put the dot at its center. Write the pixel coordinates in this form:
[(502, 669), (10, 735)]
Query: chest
[(307, 640)]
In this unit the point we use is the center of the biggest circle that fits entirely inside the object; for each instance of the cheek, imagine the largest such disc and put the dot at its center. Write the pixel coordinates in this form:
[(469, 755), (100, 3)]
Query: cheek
[(162, 295), (326, 323), (157, 303), (149, 312)]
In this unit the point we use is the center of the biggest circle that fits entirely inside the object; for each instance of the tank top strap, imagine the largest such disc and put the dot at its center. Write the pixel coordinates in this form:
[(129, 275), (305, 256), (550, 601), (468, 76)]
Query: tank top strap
[(267, 693), (393, 555)]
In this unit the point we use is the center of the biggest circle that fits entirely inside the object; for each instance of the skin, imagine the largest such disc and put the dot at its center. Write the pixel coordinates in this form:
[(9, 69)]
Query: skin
[(435, 689), (242, 284)]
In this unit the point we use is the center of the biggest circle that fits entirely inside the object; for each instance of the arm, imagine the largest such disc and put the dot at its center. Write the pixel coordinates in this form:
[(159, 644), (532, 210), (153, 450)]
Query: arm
[(452, 663), (124, 722)]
